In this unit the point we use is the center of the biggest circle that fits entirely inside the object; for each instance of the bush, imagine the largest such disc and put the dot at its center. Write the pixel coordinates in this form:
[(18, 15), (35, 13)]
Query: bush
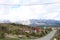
[(33, 34), (40, 35), (43, 32), (46, 32), (2, 35)]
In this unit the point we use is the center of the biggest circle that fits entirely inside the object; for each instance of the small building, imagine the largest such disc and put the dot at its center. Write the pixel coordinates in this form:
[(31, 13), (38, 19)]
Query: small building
[(35, 29)]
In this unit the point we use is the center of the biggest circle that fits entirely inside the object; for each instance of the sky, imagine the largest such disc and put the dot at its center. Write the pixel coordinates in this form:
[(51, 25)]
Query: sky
[(15, 10)]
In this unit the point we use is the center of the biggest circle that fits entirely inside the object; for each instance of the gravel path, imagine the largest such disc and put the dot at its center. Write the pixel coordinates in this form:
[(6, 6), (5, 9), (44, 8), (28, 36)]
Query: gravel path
[(48, 37)]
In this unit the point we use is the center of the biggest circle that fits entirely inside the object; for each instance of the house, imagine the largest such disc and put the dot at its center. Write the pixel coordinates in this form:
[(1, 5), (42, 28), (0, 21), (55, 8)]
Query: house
[(35, 29)]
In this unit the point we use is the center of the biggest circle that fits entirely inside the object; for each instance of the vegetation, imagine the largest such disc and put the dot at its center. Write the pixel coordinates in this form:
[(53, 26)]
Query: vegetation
[(12, 31)]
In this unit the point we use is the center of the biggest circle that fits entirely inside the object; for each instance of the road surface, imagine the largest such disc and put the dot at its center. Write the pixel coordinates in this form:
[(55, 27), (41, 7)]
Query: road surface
[(48, 37)]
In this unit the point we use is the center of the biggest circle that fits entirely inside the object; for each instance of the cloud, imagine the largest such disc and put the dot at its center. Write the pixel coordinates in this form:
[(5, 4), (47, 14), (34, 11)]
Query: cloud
[(18, 12), (52, 7), (50, 15), (25, 2), (1, 10), (9, 1), (25, 12)]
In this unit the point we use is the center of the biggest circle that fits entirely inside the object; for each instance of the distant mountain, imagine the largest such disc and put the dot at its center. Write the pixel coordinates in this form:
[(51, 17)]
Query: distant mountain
[(35, 22), (5, 21), (24, 22), (40, 22)]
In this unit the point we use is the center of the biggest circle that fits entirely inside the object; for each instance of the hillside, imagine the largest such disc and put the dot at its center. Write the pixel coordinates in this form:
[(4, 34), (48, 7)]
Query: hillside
[(12, 30)]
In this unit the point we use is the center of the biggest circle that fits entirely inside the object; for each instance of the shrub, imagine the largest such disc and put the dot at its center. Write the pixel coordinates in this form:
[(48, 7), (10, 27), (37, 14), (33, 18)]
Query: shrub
[(2, 35), (43, 32)]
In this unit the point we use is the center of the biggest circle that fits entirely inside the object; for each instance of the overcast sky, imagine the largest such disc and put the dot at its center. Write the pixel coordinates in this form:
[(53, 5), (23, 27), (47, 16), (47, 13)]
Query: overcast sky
[(14, 10)]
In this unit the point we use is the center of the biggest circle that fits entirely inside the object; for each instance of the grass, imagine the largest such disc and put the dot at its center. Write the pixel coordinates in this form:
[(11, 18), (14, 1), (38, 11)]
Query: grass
[(15, 39), (10, 39)]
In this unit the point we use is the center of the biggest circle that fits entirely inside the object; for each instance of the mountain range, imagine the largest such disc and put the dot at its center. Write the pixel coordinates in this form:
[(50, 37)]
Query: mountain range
[(36, 22)]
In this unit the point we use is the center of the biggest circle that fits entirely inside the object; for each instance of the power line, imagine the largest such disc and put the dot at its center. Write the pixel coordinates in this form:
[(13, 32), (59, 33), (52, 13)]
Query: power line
[(41, 4), (31, 4)]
